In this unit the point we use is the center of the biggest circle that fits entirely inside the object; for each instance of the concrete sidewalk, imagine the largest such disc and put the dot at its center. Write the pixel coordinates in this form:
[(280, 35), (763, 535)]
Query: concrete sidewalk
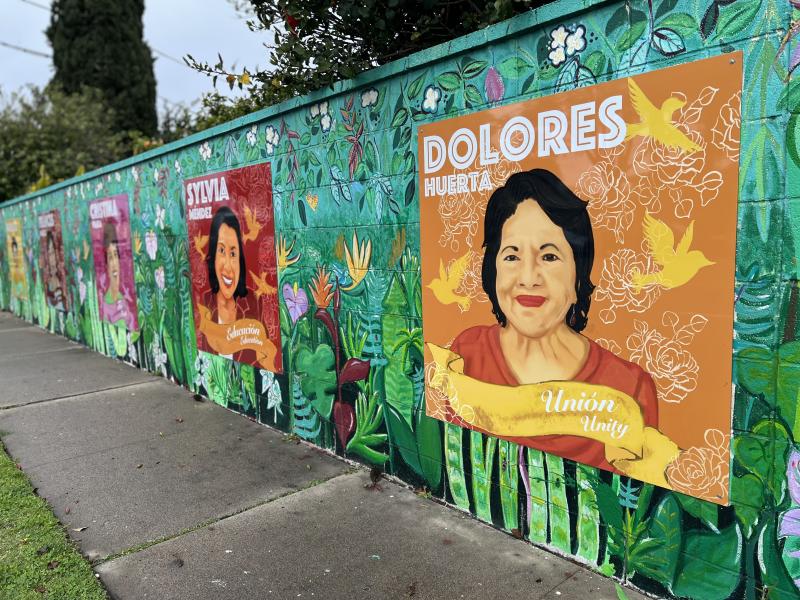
[(184, 499)]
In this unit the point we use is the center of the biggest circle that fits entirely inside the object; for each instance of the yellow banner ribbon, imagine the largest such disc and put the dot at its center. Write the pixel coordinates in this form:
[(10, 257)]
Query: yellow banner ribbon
[(242, 334), (575, 408)]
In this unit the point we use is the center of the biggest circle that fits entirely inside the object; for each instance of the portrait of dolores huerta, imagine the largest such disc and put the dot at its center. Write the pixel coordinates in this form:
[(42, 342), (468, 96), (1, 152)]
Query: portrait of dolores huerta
[(537, 263)]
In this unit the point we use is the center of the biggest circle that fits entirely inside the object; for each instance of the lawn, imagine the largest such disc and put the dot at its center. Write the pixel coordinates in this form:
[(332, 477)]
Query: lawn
[(37, 560)]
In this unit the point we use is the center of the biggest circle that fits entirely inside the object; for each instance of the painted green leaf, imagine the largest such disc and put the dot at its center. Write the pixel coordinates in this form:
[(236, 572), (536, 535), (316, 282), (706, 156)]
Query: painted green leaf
[(664, 7), (513, 67), (682, 23), (705, 511), (472, 68), (709, 566), (529, 84), (400, 117), (595, 62), (305, 138), (317, 376), (608, 504), (617, 20), (415, 87), (793, 138), (429, 446), (403, 439), (660, 561), (454, 462), (747, 496), (754, 370), (473, 95), (667, 41), (628, 39), (735, 18), (449, 81)]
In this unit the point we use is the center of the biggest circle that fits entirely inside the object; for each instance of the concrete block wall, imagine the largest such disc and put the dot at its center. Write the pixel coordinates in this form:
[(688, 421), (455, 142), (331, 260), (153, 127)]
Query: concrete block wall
[(345, 171)]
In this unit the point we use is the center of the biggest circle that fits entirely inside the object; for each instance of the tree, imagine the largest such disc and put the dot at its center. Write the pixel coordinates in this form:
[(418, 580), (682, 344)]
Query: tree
[(99, 44), (49, 134), (318, 42)]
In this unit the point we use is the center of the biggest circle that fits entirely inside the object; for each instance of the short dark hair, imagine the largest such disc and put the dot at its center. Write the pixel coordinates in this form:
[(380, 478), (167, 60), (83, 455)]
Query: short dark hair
[(564, 209), (225, 216)]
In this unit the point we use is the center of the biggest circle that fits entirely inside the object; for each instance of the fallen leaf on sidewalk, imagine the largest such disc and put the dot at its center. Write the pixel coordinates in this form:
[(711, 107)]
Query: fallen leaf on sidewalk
[(79, 529), (67, 510), (139, 466), (179, 419)]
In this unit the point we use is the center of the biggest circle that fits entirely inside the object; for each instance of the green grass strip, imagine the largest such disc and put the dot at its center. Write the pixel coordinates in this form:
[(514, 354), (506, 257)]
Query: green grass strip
[(37, 560)]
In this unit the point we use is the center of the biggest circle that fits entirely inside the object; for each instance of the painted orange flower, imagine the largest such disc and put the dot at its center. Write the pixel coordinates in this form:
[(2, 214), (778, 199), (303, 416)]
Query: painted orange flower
[(322, 288), (313, 201), (703, 472)]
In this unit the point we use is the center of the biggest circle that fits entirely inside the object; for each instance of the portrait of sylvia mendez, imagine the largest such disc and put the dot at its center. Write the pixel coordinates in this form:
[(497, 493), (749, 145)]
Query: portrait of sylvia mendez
[(537, 262)]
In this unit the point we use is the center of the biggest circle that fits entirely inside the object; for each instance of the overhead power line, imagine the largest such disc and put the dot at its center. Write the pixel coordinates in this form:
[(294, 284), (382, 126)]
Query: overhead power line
[(25, 50), (36, 4)]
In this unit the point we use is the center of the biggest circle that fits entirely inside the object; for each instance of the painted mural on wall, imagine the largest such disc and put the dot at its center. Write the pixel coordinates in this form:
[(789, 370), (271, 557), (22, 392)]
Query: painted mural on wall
[(15, 252), (558, 230), (51, 257), (113, 261), (346, 207), (234, 270)]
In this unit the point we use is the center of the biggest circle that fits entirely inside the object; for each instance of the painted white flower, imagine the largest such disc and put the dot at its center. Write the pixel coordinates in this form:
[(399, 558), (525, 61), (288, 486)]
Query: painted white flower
[(326, 122), (135, 173), (205, 151), (559, 36), (155, 174), (177, 167), (314, 110), (272, 388), (323, 108), (159, 358), (151, 244), (134, 356), (108, 177), (160, 214), (98, 187), (557, 56), (118, 176), (201, 365), (159, 277), (369, 97), (69, 192), (273, 137), (432, 96), (576, 40), (252, 135)]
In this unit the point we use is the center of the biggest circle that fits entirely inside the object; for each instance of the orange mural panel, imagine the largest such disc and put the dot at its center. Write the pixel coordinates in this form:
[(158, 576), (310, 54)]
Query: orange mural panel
[(578, 256)]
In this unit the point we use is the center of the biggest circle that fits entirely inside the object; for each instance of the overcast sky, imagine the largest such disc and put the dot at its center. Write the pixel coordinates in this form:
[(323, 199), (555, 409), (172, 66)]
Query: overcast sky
[(174, 27)]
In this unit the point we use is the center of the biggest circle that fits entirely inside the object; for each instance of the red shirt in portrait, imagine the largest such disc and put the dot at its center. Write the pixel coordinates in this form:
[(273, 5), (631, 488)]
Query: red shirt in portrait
[(483, 360)]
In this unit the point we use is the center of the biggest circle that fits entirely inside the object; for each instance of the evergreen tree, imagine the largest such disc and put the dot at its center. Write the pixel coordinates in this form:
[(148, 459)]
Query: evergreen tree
[(99, 44)]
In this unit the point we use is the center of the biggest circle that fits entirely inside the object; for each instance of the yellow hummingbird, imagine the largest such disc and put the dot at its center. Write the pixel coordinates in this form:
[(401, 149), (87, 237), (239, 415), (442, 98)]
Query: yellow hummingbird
[(444, 287), (200, 243), (678, 263), (262, 287), (253, 227), (657, 122)]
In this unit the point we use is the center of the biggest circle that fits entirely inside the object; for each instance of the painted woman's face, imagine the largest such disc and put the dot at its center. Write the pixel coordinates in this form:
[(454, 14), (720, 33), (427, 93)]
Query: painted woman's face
[(112, 264), (226, 262), (535, 272)]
